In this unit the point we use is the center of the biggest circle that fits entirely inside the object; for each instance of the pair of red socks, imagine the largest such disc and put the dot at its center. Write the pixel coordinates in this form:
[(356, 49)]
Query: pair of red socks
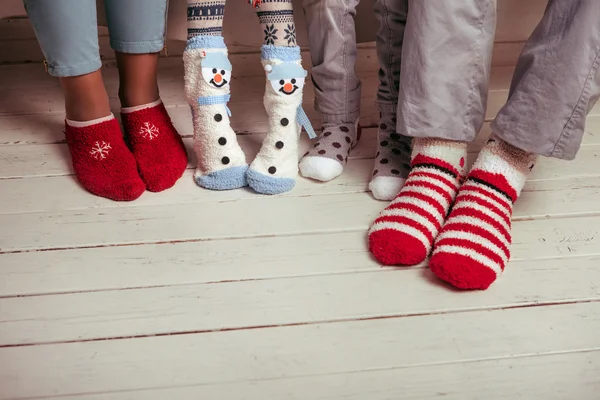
[(151, 156), (464, 225)]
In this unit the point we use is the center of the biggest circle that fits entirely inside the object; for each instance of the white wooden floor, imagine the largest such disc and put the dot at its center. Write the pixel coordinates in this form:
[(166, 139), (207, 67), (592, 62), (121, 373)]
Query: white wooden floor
[(193, 294)]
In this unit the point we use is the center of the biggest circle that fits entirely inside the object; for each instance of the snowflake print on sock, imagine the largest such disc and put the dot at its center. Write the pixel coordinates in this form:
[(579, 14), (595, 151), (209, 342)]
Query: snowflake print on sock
[(149, 131), (100, 150), (290, 34), (270, 32)]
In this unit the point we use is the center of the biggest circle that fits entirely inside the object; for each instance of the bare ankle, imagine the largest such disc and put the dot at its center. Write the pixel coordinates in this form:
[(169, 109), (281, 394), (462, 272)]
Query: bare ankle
[(137, 79), (85, 97)]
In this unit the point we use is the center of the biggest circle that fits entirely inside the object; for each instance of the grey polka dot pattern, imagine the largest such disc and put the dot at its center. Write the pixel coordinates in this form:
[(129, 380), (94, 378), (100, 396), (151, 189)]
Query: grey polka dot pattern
[(335, 142), (393, 150)]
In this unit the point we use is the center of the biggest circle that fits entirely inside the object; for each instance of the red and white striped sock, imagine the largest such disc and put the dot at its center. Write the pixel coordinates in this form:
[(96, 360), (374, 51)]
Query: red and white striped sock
[(472, 249), (404, 232)]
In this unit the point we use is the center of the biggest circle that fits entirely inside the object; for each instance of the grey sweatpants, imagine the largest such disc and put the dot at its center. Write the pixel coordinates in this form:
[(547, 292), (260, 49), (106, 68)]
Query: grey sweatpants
[(446, 68), (332, 42), (446, 49)]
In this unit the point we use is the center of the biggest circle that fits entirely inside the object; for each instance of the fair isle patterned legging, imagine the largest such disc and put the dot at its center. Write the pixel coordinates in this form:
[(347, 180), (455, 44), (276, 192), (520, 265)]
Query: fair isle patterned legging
[(276, 17)]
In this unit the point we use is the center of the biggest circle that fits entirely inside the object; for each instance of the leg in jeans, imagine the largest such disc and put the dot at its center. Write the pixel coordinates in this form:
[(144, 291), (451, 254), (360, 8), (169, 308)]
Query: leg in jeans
[(443, 87), (332, 40), (275, 168), (392, 162), (556, 82), (137, 34), (68, 35), (221, 162)]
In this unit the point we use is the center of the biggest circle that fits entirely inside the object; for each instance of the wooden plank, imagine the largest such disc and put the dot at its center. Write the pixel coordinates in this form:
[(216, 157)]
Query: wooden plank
[(548, 377), (260, 354), (205, 262), (299, 300), (54, 159), (64, 193), (271, 216), (122, 267)]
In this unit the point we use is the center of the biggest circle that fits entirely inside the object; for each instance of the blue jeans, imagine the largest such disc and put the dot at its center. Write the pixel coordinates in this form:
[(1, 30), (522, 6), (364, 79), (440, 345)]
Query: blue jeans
[(68, 34)]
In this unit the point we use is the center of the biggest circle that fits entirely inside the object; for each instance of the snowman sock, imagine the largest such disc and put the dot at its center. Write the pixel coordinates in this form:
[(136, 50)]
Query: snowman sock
[(392, 162), (276, 166), (472, 248), (276, 18), (327, 157), (205, 17), (221, 162)]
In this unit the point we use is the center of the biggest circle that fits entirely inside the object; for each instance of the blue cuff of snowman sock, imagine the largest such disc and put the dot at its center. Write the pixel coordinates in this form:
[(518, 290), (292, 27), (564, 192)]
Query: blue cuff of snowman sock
[(283, 53), (205, 42)]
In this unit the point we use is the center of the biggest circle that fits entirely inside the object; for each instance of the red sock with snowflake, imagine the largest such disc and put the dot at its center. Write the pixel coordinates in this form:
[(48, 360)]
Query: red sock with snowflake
[(472, 249), (103, 164), (404, 232), (156, 145)]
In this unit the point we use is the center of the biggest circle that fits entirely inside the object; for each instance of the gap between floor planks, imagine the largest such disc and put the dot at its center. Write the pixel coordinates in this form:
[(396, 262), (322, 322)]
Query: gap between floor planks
[(260, 354), (525, 377), (134, 313), (197, 261)]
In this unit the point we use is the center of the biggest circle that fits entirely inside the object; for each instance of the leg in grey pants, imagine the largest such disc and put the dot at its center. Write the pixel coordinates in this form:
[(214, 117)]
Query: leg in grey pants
[(446, 61), (332, 40), (555, 83)]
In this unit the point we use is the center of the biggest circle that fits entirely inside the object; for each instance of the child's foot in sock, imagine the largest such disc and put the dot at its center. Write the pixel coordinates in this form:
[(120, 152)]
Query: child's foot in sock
[(275, 168), (472, 249), (155, 144), (103, 164), (327, 157), (404, 232), (221, 162), (392, 162)]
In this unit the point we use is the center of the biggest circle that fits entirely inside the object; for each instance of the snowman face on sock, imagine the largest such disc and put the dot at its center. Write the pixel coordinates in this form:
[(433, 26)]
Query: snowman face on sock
[(216, 77), (286, 79), (287, 87), (216, 70)]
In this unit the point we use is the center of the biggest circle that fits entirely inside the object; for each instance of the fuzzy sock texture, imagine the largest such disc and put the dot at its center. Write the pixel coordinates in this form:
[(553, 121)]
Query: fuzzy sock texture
[(275, 168), (205, 17), (221, 162), (404, 232), (473, 247), (392, 162), (276, 18), (102, 162), (329, 155), (156, 146)]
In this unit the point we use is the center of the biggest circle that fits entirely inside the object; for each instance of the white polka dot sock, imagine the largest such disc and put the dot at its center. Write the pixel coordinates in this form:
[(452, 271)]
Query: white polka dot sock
[(275, 168), (392, 162), (328, 156), (221, 162)]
